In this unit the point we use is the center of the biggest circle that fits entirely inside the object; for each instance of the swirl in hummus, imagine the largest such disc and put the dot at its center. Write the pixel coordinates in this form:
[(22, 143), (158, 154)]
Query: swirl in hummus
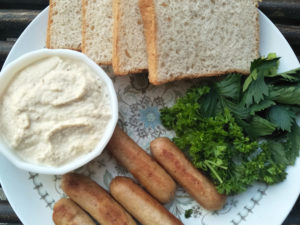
[(54, 111)]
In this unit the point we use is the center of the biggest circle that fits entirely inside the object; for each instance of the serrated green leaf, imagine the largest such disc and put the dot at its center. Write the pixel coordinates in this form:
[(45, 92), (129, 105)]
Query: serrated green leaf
[(277, 151), (208, 104), (261, 67), (293, 144), (250, 78), (282, 117), (289, 95), (289, 76), (258, 127), (230, 86), (272, 55), (238, 110), (247, 83), (261, 106), (256, 92), (268, 65)]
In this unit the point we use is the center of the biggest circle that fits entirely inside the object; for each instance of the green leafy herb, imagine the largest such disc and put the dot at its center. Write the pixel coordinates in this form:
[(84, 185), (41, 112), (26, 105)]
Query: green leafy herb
[(188, 213), (286, 94), (241, 129), (289, 76), (282, 117)]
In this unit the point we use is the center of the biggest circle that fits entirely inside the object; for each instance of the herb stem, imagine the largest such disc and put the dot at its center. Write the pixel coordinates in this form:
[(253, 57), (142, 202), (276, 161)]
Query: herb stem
[(207, 163)]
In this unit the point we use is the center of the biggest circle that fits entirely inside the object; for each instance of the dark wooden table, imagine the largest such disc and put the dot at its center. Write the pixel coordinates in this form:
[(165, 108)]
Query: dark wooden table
[(15, 15)]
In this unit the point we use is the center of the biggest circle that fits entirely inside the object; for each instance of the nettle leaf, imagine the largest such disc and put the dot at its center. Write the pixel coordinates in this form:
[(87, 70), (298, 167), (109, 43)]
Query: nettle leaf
[(278, 151), (293, 144), (208, 104), (286, 94), (282, 117), (270, 63), (230, 86), (237, 109), (255, 87), (250, 78), (289, 76), (256, 91), (261, 106), (258, 127)]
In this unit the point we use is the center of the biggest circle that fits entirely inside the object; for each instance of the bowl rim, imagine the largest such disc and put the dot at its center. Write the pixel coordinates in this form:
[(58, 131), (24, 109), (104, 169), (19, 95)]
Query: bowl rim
[(33, 56)]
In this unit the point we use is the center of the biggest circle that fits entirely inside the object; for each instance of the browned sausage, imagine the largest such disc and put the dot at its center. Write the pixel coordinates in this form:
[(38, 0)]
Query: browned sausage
[(67, 212), (141, 165), (181, 169), (140, 204), (95, 200)]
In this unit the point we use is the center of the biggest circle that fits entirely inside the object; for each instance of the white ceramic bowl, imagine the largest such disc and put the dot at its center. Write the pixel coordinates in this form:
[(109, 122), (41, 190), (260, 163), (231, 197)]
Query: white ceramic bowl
[(7, 75)]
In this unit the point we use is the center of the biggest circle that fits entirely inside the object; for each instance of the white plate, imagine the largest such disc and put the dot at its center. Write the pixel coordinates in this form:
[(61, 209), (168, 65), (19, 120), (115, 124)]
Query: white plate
[(32, 195)]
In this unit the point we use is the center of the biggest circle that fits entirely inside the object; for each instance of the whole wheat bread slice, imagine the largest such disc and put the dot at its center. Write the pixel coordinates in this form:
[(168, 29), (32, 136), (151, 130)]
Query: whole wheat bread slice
[(97, 30), (64, 24), (188, 39), (129, 53)]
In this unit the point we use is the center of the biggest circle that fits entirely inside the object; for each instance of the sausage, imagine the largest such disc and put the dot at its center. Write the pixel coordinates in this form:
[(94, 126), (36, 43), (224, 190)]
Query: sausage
[(67, 212), (95, 200), (181, 169), (141, 165), (140, 204)]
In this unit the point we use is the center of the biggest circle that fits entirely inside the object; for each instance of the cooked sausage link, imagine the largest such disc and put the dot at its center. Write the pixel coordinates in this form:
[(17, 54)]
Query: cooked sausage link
[(140, 204), (67, 212), (182, 170), (95, 200), (141, 165)]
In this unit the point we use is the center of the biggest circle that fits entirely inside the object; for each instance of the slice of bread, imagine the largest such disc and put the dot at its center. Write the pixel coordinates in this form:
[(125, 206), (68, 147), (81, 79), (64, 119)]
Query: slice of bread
[(129, 53), (64, 24), (97, 30), (188, 39)]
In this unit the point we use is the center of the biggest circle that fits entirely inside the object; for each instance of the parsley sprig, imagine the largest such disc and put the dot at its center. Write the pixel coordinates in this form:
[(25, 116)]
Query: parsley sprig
[(241, 129)]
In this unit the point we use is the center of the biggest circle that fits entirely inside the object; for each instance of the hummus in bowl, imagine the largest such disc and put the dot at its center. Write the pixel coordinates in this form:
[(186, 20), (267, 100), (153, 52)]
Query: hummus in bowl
[(58, 110)]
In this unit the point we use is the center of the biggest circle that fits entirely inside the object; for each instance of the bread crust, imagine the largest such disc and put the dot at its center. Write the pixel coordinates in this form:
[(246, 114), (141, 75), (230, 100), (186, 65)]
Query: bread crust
[(48, 38), (115, 42), (119, 72), (147, 9), (257, 29), (193, 76), (83, 25)]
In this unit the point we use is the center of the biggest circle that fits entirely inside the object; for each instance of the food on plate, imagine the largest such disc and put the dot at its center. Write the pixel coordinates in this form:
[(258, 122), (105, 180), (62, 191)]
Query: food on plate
[(199, 38), (129, 45), (64, 24), (97, 30), (140, 204), (95, 200), (54, 110), (148, 173), (67, 212), (240, 130), (182, 170)]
